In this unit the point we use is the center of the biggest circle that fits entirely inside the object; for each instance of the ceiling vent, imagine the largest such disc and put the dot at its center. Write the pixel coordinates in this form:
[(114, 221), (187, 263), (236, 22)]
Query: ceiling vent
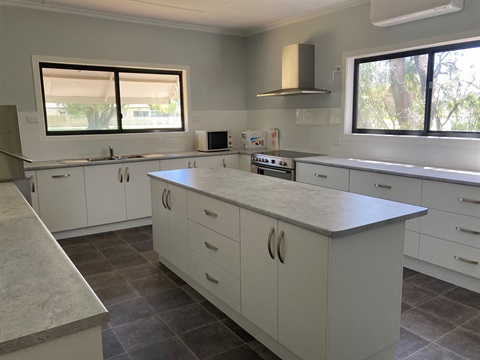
[(386, 13)]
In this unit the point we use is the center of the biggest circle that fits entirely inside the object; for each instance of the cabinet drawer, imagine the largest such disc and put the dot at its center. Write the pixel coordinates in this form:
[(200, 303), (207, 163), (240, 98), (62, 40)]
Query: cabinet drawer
[(460, 199), (212, 277), (450, 255), (390, 187), (214, 214), (453, 227), (411, 244), (326, 176), (215, 247)]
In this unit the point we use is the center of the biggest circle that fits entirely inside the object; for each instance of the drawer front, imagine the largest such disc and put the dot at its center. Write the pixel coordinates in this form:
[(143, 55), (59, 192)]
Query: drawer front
[(450, 255), (215, 247), (214, 214), (326, 176), (390, 187), (453, 227), (411, 244), (460, 199), (212, 277)]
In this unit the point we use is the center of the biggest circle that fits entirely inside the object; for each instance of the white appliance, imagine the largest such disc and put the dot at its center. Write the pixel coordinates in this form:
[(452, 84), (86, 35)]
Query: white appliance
[(393, 12), (206, 140)]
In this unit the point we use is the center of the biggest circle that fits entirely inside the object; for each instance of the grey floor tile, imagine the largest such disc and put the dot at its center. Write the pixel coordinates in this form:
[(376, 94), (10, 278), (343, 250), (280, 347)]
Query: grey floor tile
[(105, 243), (103, 235), (168, 300), (116, 294), (139, 272), (136, 237), (428, 326), (150, 255), (128, 231), (407, 273), (87, 257), (466, 297), (105, 279), (153, 285), (144, 245), (126, 261), (449, 310), (161, 267), (72, 241), (243, 352), (175, 278), (142, 332), (210, 340), (406, 307), (213, 310), (118, 251), (463, 342), (262, 350), (187, 318), (121, 357), (414, 296), (430, 284), (111, 345), (237, 330), (409, 344), (96, 267), (435, 352), (193, 293), (473, 325), (122, 313), (79, 248), (146, 228), (169, 349)]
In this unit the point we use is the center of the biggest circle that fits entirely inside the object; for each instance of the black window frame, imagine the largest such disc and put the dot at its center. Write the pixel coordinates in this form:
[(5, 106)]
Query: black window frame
[(116, 70), (430, 51)]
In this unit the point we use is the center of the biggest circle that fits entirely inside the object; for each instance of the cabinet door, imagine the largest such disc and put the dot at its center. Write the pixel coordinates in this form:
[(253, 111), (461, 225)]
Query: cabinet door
[(61, 196), (302, 291), (161, 239), (174, 164), (207, 161), (105, 194), (245, 162), (32, 176), (176, 200), (137, 188), (259, 271), (231, 161)]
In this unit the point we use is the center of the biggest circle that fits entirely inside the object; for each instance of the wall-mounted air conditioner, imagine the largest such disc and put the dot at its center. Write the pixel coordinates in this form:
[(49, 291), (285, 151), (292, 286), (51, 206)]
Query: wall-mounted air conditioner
[(392, 12)]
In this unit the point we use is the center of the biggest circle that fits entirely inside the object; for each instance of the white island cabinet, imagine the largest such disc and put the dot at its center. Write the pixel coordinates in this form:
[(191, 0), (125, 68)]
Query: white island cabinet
[(308, 256)]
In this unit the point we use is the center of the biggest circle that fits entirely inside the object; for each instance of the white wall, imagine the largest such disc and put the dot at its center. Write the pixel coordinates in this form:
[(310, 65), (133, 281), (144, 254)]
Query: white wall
[(337, 35), (217, 76)]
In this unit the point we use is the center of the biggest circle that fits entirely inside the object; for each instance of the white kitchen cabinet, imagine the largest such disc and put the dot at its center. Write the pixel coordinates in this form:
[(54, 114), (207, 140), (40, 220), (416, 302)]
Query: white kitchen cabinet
[(32, 176), (321, 175), (61, 198), (117, 192), (286, 297), (231, 161), (169, 219), (188, 163), (245, 162)]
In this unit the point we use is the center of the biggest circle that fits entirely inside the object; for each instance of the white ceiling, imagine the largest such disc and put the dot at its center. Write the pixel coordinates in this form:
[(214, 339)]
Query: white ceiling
[(240, 17)]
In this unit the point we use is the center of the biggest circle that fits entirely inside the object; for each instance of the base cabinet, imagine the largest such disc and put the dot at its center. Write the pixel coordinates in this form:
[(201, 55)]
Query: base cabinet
[(189, 163), (32, 176)]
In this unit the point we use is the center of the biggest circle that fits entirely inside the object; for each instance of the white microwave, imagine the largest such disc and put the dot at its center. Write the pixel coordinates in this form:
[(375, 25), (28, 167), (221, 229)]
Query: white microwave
[(206, 140)]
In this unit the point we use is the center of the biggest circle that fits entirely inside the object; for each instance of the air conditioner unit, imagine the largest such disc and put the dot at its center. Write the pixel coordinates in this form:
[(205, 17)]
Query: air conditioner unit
[(392, 12)]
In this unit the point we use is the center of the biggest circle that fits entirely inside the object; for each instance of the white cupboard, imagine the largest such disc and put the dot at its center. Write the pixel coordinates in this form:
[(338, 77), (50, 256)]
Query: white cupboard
[(320, 175), (32, 177), (188, 163), (61, 198), (231, 161)]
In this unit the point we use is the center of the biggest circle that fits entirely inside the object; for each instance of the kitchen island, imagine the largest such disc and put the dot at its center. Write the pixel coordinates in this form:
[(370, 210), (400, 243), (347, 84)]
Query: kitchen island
[(47, 310), (289, 262)]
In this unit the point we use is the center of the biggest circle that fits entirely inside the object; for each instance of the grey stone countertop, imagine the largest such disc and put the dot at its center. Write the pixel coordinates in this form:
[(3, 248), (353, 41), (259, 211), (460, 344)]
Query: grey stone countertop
[(42, 295), (422, 172), (328, 212)]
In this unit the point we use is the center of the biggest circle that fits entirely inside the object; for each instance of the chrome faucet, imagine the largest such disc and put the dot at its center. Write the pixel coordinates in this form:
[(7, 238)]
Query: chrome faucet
[(112, 155)]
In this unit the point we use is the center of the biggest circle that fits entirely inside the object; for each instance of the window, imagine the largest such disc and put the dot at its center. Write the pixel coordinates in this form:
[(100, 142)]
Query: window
[(429, 92), (81, 99)]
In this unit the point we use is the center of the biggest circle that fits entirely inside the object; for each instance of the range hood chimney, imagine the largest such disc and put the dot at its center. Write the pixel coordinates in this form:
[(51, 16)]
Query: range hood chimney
[(298, 72)]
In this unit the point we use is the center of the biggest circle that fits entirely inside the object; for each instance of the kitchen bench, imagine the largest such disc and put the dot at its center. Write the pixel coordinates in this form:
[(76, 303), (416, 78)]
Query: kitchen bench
[(47, 310), (288, 262)]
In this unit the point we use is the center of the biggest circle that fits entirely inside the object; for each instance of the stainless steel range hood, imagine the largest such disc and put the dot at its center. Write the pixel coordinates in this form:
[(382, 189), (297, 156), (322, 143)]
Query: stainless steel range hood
[(298, 72)]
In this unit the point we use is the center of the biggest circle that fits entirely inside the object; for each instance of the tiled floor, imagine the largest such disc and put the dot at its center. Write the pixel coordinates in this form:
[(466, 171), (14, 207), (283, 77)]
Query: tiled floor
[(155, 315)]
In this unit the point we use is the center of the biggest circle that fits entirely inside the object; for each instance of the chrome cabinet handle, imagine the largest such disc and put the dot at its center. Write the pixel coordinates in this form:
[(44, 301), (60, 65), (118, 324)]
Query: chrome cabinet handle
[(189, 166), (167, 200), (470, 201), (163, 198), (60, 176), (127, 175), (279, 245), (210, 246), (211, 279), (269, 243), (224, 163), (320, 176), (32, 183), (120, 175), (381, 186), (210, 213), (462, 259), (472, 232)]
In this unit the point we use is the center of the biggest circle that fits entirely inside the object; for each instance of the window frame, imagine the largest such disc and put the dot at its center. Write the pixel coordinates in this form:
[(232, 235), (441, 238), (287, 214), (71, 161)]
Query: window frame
[(116, 70), (426, 132)]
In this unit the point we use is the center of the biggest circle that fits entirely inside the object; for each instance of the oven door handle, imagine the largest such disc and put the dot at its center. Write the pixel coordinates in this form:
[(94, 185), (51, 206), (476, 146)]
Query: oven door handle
[(274, 170)]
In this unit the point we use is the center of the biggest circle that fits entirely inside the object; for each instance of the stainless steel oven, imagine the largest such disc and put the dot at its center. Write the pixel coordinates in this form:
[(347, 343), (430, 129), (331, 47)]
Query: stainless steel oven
[(276, 163)]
